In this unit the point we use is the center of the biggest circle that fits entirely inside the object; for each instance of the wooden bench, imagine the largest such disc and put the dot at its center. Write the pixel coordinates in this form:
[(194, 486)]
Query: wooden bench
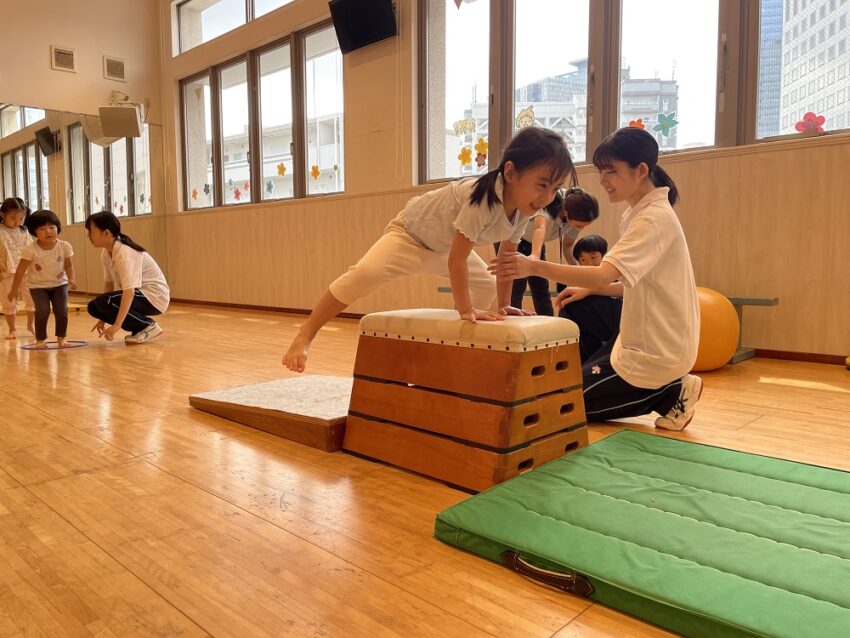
[(742, 353)]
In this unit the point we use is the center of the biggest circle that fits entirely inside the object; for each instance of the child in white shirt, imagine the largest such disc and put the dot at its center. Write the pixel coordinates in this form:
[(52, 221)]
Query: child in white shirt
[(13, 237), (47, 264), (435, 233)]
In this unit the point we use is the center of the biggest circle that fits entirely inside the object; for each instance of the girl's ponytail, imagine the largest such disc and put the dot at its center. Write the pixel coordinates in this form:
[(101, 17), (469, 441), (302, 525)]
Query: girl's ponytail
[(660, 177), (125, 239), (486, 185)]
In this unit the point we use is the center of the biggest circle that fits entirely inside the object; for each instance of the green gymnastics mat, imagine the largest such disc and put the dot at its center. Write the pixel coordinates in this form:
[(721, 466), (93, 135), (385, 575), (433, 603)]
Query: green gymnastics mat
[(700, 540)]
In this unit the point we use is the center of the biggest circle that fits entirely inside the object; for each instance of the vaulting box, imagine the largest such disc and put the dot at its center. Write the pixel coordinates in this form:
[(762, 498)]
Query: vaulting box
[(471, 404)]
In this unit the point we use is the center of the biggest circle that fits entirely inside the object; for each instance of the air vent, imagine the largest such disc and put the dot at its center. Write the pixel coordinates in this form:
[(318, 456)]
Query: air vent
[(62, 59), (113, 69)]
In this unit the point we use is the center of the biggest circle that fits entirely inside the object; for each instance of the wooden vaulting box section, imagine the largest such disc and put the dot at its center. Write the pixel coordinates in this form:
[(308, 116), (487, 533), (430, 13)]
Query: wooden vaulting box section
[(470, 404)]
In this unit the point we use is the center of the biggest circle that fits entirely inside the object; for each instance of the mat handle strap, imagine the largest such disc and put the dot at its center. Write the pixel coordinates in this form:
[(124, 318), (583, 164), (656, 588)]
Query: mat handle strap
[(570, 582)]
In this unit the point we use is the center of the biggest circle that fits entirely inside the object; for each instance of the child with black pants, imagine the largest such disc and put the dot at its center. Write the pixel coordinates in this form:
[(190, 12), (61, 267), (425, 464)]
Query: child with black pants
[(50, 273), (597, 314)]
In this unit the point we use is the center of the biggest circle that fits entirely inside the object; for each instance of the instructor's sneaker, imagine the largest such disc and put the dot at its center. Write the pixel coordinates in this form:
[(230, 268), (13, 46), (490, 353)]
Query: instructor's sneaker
[(682, 412), (151, 332)]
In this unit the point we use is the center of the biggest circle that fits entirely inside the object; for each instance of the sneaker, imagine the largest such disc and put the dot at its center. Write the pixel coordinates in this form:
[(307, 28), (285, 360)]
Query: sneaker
[(682, 412), (151, 332)]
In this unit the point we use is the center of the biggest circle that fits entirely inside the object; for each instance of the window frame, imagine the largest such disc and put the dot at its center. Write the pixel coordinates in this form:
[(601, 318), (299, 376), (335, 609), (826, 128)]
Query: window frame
[(13, 187), (603, 77), (297, 61), (130, 147)]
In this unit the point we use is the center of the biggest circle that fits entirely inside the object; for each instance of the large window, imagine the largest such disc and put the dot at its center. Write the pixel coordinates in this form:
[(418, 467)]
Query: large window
[(197, 142), (276, 123), (236, 176), (457, 76), (10, 119), (25, 176), (98, 195), (693, 74), (668, 83), (202, 20), (8, 176), (323, 102), (77, 156), (115, 178), (118, 178), (141, 172), (13, 118), (268, 125), (550, 80), (32, 176), (804, 67)]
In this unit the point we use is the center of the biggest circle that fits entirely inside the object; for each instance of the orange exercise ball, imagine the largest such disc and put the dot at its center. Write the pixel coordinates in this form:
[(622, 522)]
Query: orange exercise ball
[(718, 330)]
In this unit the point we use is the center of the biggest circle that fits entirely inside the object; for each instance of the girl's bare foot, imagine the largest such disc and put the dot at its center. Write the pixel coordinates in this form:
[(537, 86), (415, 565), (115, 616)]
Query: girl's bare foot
[(40, 345), (296, 357), (12, 335), (61, 342)]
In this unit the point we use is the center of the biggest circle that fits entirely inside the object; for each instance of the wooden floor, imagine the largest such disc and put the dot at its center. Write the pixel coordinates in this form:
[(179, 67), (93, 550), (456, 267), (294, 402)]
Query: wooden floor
[(123, 512)]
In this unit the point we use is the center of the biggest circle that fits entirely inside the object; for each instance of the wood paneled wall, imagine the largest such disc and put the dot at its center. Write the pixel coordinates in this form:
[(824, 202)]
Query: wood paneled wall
[(769, 220)]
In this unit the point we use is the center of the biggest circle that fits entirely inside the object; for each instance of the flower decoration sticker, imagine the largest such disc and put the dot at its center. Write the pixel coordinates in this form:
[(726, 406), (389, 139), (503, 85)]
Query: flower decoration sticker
[(464, 126), (638, 123), (270, 186), (281, 169), (315, 172), (465, 156), (811, 123), (207, 190), (246, 186), (481, 148), (142, 196), (666, 123), (237, 194)]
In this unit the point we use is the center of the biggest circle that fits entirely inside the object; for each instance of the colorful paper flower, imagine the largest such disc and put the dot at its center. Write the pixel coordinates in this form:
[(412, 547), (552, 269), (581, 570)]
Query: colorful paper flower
[(270, 186), (281, 169), (482, 146), (246, 186), (142, 197), (121, 208), (481, 160), (811, 123), (336, 167), (237, 194), (206, 189), (230, 183), (638, 123), (465, 156), (666, 123), (315, 172)]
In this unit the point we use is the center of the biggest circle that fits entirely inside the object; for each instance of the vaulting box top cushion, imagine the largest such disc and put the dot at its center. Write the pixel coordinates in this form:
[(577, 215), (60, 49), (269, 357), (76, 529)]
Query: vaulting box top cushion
[(444, 327)]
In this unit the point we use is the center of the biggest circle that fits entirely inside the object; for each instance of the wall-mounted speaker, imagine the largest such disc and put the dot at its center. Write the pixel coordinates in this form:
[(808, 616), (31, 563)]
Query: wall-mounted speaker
[(359, 23), (46, 141), (120, 121)]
